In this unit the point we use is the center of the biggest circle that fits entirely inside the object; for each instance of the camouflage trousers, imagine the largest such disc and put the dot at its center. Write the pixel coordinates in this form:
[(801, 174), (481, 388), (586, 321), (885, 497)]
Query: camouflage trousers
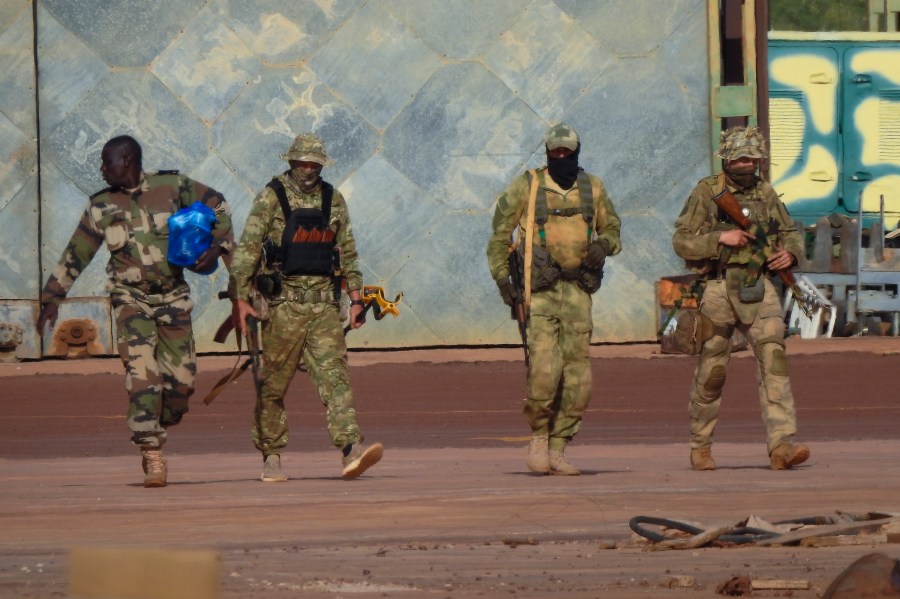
[(559, 375), (156, 345), (313, 332), (766, 336)]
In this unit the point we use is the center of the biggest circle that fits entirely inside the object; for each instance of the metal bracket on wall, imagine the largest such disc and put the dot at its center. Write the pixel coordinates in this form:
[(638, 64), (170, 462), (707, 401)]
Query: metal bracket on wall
[(76, 338)]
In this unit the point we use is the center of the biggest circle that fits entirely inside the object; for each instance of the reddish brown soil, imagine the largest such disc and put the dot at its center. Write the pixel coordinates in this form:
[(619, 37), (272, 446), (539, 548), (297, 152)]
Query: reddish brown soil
[(452, 510)]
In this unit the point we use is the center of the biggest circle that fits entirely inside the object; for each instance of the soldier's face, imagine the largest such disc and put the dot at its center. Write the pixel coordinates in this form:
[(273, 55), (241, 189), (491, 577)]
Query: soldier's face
[(560, 152), (743, 164), (114, 163)]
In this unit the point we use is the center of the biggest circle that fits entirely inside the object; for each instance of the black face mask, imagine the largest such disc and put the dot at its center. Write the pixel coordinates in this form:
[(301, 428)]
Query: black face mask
[(564, 170)]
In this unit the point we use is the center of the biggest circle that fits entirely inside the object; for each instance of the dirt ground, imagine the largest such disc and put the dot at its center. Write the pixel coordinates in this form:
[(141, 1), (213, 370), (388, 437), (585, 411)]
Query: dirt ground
[(451, 511)]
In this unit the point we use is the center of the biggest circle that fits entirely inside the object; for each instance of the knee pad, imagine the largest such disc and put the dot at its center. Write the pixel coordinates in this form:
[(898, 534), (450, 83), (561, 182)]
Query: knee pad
[(716, 380), (779, 365)]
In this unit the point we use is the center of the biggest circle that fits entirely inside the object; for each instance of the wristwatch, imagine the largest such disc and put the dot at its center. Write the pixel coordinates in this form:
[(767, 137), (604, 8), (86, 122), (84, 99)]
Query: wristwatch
[(354, 302)]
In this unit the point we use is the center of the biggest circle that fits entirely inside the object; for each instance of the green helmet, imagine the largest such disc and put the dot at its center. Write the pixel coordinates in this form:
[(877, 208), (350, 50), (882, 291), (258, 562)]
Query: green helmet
[(741, 141), (307, 147), (561, 136)]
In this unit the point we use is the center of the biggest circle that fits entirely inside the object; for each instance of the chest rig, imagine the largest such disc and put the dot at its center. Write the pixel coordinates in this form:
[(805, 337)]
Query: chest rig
[(307, 242), (542, 212)]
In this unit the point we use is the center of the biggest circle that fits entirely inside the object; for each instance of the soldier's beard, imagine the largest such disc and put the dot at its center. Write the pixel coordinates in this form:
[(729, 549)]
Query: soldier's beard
[(307, 180)]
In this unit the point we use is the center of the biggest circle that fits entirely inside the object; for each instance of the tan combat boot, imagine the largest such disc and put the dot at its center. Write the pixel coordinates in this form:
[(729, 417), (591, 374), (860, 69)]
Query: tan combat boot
[(560, 465), (272, 472), (154, 467), (358, 461), (539, 454), (701, 458), (788, 454)]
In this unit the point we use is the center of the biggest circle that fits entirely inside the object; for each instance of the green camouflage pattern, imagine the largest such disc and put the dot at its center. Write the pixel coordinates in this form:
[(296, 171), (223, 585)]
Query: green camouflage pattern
[(566, 236), (312, 331), (561, 136), (559, 336), (738, 142), (766, 336), (156, 345), (150, 297), (307, 148), (266, 221), (559, 323), (134, 226), (698, 227)]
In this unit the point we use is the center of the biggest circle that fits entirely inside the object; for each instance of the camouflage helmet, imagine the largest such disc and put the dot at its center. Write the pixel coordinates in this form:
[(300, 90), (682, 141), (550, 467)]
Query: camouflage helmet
[(307, 147), (561, 136), (741, 141)]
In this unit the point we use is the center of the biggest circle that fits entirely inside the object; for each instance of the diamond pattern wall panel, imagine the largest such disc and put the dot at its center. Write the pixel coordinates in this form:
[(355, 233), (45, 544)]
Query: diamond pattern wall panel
[(428, 108)]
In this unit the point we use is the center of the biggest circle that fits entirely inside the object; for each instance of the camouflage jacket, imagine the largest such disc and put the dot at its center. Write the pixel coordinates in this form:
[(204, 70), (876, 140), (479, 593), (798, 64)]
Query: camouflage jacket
[(565, 235), (134, 226), (699, 225), (266, 221)]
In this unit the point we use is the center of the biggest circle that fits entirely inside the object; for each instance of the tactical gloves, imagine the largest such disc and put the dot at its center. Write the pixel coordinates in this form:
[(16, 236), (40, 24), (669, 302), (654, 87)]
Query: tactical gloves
[(507, 292), (596, 255)]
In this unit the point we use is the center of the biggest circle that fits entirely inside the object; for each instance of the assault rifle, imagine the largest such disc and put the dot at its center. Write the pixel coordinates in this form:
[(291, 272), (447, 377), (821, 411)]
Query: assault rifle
[(252, 361), (729, 204), (517, 310)]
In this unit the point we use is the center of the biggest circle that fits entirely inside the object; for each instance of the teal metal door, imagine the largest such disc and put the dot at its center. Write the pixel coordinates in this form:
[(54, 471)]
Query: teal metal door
[(871, 122), (804, 85)]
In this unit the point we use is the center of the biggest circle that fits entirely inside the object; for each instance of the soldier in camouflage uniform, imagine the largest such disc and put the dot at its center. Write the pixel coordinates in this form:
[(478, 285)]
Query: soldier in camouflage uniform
[(149, 296), (735, 296), (575, 228), (304, 320)]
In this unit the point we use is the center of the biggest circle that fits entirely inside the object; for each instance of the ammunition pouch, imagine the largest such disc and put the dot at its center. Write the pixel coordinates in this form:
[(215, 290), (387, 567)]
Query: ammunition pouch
[(269, 285), (589, 279), (752, 294), (545, 272)]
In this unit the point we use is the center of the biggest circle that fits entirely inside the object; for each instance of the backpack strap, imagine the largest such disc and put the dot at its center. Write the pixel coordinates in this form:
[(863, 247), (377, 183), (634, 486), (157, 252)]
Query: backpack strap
[(327, 195)]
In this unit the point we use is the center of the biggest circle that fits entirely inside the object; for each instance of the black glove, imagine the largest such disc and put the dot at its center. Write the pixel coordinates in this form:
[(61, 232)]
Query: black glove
[(595, 256), (507, 292)]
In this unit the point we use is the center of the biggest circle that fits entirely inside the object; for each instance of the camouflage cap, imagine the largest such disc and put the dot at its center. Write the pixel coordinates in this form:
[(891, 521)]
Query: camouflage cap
[(307, 147), (561, 136), (741, 141)]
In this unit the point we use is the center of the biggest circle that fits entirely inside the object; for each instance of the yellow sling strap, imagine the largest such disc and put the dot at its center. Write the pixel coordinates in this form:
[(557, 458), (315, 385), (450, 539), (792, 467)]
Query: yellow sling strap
[(529, 236)]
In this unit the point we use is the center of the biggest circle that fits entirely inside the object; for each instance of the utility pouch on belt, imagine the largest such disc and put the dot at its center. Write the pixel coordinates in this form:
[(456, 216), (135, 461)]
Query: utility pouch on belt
[(545, 271), (589, 279), (752, 294), (692, 330)]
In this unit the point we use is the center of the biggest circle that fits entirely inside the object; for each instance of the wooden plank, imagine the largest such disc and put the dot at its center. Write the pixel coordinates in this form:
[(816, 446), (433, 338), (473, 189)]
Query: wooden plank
[(777, 584), (821, 531), (142, 573)]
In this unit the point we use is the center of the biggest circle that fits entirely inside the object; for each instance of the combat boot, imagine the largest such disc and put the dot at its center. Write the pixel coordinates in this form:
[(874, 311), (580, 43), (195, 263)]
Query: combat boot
[(272, 472), (539, 454), (154, 467), (701, 458), (560, 465), (788, 454), (357, 461)]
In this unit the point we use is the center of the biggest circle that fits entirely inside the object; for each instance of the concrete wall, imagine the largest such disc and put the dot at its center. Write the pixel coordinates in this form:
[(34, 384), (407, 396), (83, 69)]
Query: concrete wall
[(429, 108)]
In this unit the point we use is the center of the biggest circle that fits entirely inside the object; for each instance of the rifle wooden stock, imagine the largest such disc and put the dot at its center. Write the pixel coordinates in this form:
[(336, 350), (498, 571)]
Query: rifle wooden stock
[(517, 310)]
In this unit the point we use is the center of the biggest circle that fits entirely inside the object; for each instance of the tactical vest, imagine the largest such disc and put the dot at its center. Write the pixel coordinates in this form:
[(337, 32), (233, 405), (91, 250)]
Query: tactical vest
[(585, 193), (307, 242)]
